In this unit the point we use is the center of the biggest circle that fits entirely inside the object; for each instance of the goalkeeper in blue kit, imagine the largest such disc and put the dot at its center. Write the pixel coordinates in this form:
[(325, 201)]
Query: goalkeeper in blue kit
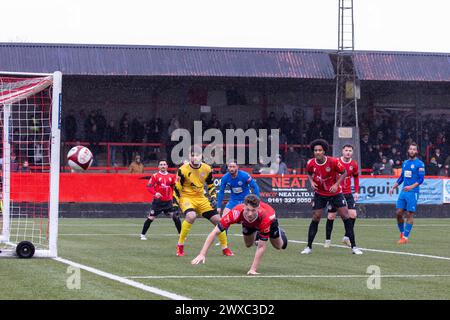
[(412, 176)]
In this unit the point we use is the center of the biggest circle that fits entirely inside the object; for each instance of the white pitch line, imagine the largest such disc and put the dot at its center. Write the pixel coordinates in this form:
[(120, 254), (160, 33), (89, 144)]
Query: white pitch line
[(99, 225), (379, 225), (99, 234), (240, 235), (123, 280), (373, 250), (294, 276), (153, 235), (382, 251), (290, 225)]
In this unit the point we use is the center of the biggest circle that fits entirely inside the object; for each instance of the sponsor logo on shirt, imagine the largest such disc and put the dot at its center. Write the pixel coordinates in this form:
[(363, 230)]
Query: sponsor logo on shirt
[(237, 190)]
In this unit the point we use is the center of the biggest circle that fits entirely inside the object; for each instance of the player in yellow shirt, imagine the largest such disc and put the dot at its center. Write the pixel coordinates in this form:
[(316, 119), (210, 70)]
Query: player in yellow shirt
[(189, 194)]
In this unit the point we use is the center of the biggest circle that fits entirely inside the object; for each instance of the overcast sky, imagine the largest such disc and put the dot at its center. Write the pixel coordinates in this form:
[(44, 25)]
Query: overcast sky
[(398, 25)]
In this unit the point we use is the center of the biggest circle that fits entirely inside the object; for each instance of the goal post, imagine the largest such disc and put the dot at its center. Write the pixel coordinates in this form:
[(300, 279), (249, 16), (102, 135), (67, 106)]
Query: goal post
[(30, 121)]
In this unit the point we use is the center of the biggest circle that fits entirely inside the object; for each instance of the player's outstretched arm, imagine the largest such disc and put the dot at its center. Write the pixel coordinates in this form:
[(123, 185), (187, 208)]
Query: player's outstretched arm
[(208, 242), (262, 245)]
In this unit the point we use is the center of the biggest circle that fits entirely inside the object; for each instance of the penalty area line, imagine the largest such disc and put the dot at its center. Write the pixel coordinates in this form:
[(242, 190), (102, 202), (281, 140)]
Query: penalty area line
[(292, 276), (383, 251), (373, 250), (123, 280), (152, 235)]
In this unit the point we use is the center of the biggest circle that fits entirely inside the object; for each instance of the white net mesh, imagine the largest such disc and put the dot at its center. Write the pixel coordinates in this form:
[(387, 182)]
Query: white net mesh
[(25, 120)]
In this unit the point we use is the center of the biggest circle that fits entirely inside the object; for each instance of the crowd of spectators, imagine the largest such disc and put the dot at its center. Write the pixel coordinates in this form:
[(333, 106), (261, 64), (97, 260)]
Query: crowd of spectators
[(383, 140)]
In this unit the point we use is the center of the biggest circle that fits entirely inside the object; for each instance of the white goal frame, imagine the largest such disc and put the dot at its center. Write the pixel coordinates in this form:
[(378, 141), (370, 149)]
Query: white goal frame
[(55, 138)]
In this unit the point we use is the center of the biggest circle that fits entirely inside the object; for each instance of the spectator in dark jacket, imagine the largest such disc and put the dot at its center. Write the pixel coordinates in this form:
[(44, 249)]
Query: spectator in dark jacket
[(14, 165), (112, 135), (439, 161), (365, 152), (292, 159), (70, 126), (25, 167), (125, 136)]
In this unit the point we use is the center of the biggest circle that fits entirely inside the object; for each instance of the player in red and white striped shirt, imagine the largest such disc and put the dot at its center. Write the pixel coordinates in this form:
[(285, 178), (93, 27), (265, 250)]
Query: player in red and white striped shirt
[(161, 185), (352, 172)]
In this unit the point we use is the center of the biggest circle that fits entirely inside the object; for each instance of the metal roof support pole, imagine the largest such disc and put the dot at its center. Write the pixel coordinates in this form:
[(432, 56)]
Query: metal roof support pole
[(347, 85)]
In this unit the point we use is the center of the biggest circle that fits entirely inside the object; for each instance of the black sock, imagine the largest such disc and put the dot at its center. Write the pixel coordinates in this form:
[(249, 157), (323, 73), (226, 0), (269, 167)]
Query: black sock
[(352, 220), (284, 238), (312, 232), (349, 232), (147, 224), (329, 229), (177, 222)]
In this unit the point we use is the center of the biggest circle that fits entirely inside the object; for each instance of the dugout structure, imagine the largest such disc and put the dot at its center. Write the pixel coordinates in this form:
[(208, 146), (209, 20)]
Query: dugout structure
[(30, 125)]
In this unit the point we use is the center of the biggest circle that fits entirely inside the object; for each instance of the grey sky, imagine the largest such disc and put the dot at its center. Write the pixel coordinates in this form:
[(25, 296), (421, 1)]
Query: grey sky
[(399, 25)]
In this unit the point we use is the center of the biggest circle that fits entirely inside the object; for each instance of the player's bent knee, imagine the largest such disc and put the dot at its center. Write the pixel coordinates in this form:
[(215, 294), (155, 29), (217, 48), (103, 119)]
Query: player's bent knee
[(344, 214), (249, 241), (352, 214), (212, 216), (331, 216), (317, 215), (190, 216), (277, 243)]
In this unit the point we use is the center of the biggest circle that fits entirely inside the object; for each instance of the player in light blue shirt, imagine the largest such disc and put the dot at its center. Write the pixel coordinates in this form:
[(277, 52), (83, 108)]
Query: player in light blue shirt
[(239, 182), (413, 174)]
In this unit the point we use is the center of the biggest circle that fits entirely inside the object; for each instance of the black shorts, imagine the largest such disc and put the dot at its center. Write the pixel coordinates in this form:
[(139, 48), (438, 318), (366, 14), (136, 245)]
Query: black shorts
[(273, 234), (320, 202), (350, 203), (159, 207)]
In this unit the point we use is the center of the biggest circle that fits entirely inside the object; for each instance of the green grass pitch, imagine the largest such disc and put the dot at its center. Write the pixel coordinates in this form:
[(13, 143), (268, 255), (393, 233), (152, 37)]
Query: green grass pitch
[(113, 246)]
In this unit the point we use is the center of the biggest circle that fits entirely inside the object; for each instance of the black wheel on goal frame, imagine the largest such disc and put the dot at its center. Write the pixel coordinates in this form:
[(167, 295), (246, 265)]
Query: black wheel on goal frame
[(25, 250)]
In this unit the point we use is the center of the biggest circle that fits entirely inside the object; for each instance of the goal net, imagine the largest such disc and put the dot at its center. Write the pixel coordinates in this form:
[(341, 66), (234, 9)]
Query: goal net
[(30, 153)]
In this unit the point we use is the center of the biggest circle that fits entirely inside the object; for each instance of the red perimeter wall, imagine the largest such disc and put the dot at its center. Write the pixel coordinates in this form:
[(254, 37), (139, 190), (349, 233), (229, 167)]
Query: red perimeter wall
[(79, 187), (106, 187)]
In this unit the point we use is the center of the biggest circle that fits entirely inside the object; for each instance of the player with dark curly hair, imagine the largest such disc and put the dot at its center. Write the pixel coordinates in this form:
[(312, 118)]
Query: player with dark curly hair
[(326, 175)]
